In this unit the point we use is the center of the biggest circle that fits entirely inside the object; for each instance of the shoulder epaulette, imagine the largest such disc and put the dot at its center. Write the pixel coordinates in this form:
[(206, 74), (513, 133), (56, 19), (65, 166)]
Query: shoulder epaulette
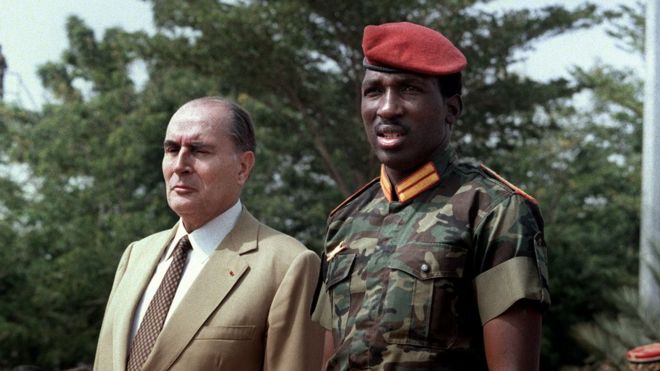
[(515, 189), (352, 197)]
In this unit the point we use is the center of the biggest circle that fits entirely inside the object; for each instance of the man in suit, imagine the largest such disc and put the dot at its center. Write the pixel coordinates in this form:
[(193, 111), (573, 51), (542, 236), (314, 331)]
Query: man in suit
[(243, 298)]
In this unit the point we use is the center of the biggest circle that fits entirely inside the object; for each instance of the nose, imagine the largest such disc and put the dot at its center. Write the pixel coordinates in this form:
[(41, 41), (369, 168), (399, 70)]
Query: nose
[(390, 105), (182, 161)]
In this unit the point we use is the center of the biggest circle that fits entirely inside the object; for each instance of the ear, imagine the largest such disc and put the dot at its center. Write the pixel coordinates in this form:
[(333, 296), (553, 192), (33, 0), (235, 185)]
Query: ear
[(454, 106), (247, 162)]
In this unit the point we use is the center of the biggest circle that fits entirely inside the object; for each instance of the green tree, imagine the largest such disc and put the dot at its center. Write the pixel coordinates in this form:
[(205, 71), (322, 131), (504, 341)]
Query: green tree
[(296, 65), (622, 321), (14, 256), (587, 177), (635, 323)]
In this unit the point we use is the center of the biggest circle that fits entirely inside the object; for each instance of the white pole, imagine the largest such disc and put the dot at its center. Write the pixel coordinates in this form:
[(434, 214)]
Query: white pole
[(650, 214)]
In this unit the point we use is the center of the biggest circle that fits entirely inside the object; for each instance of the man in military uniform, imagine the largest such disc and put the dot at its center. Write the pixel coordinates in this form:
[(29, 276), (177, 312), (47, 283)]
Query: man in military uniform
[(438, 264)]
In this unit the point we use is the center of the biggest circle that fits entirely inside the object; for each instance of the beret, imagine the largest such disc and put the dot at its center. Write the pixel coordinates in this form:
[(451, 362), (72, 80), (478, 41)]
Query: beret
[(405, 46), (644, 354)]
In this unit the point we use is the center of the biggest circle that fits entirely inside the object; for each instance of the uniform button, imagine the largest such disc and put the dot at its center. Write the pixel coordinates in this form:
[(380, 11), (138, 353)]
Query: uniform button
[(425, 268)]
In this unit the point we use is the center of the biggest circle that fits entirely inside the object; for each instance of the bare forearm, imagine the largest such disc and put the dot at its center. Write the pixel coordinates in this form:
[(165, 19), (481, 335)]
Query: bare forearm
[(513, 340)]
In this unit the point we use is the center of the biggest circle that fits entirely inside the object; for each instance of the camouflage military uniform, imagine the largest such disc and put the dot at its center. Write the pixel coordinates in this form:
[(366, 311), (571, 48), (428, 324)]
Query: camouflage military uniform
[(408, 284)]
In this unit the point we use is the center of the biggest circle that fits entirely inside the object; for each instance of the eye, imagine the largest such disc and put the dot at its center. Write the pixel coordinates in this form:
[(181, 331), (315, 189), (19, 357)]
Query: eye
[(371, 91), (411, 89), (171, 149), (200, 149)]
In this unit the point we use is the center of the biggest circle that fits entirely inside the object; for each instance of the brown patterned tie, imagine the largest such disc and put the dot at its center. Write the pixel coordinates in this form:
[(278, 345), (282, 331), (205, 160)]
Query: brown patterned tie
[(156, 313)]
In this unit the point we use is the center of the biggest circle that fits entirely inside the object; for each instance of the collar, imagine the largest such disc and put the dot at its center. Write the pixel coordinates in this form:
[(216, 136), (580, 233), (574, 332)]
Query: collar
[(208, 237), (425, 177)]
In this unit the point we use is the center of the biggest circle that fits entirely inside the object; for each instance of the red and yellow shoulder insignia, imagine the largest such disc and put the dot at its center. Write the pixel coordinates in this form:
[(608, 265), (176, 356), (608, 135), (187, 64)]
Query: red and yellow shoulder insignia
[(515, 189), (352, 197)]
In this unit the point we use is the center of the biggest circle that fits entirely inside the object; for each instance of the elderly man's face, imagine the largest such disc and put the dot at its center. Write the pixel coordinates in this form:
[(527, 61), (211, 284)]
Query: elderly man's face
[(405, 118), (203, 170)]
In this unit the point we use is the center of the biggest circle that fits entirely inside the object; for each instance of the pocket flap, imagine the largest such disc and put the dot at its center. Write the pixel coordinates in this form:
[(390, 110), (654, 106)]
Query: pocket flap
[(339, 267), (429, 261)]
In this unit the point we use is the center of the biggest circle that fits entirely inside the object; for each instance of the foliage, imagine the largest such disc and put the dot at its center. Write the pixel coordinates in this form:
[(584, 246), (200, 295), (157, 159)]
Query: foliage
[(634, 324), (587, 177), (628, 322), (296, 66)]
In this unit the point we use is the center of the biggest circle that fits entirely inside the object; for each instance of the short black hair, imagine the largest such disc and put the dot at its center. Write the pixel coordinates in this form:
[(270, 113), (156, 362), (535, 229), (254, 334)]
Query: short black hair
[(451, 85)]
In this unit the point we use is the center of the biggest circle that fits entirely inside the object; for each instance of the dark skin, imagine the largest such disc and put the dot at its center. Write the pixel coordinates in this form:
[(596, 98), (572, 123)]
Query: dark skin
[(406, 120), (513, 339)]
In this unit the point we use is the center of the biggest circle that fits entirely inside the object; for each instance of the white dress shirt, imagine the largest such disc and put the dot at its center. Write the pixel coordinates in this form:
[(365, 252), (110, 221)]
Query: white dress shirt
[(204, 241)]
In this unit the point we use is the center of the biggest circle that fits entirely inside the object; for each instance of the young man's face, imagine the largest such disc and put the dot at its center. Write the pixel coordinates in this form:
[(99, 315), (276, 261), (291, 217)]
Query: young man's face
[(406, 118)]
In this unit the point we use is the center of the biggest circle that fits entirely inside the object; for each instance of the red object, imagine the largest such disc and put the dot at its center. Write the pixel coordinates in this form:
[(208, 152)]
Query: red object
[(644, 354), (406, 46)]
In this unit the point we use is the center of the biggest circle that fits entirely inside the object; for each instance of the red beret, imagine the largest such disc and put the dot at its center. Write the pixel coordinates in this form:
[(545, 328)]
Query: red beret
[(644, 354), (405, 46)]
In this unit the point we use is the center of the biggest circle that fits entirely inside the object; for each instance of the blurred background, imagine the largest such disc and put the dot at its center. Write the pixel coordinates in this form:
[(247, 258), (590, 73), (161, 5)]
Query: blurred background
[(553, 101)]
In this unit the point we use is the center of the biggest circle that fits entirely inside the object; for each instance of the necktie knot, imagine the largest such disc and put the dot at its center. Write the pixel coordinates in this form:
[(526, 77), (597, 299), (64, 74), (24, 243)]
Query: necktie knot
[(183, 246)]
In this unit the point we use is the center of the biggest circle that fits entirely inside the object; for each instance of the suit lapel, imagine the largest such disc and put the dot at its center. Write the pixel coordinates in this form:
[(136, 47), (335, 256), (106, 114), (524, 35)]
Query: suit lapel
[(219, 276), (141, 267)]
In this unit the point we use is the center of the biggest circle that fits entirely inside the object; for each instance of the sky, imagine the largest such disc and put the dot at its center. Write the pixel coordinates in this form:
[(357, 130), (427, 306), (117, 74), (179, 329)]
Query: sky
[(32, 32)]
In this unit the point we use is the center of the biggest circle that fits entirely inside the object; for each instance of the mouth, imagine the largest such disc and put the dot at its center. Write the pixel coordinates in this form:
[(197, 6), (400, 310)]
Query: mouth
[(181, 189), (390, 136)]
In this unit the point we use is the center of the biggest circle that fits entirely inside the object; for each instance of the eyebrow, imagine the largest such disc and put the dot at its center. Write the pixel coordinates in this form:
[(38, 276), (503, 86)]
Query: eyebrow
[(195, 144)]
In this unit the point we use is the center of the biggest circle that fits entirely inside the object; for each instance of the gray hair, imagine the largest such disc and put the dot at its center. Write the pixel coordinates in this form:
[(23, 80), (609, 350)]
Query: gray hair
[(241, 129)]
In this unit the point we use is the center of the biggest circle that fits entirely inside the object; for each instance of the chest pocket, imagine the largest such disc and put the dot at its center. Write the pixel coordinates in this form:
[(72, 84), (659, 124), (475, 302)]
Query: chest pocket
[(338, 286), (421, 305)]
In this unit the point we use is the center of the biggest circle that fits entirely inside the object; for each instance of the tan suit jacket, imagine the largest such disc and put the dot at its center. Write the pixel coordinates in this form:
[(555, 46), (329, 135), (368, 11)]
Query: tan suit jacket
[(249, 309)]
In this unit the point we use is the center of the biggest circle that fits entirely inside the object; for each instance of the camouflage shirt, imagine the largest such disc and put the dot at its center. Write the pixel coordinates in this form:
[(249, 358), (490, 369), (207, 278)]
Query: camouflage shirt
[(412, 272)]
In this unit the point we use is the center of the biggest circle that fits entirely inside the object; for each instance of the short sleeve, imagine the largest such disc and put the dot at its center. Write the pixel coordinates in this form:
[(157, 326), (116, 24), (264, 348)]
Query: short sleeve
[(512, 258)]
